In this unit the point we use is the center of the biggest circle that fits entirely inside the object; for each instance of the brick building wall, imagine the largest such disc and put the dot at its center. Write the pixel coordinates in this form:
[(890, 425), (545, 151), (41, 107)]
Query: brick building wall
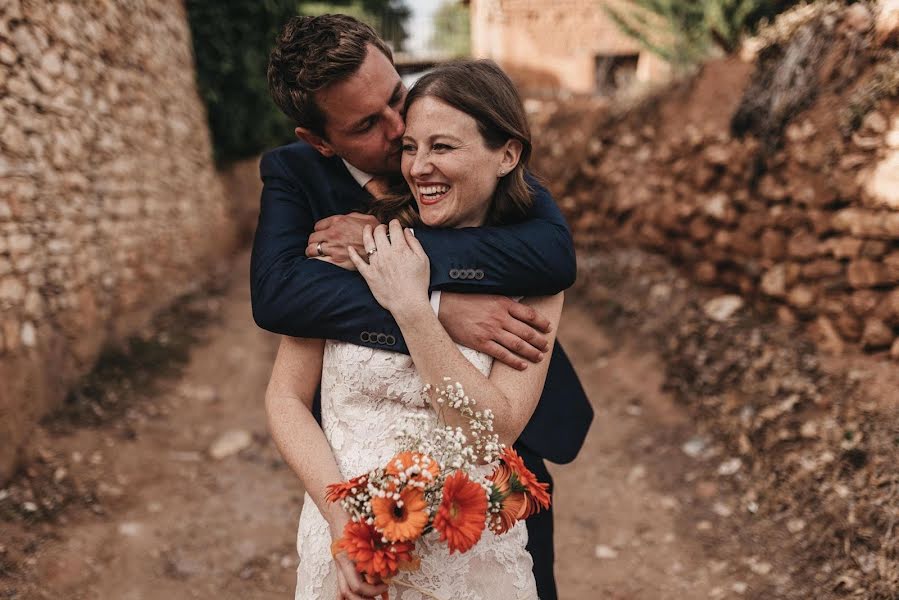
[(556, 42), (110, 205)]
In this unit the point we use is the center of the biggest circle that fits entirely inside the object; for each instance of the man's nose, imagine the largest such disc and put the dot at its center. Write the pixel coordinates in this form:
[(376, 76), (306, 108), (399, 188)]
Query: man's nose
[(396, 127)]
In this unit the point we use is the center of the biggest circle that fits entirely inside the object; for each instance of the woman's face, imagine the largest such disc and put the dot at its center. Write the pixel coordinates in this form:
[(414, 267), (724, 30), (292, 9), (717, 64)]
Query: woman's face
[(450, 170)]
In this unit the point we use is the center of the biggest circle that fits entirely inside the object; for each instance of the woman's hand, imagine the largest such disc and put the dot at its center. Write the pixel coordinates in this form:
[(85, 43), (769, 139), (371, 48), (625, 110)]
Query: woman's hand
[(398, 271), (350, 584)]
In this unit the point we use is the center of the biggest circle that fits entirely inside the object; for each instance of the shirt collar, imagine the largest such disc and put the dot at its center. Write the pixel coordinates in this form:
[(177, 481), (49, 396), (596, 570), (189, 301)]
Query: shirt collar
[(361, 177)]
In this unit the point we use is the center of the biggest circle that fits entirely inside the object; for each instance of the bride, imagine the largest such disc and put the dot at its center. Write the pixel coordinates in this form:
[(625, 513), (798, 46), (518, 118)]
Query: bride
[(465, 151)]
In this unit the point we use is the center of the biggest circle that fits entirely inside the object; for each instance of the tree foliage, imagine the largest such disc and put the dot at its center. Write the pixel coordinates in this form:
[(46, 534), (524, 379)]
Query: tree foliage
[(684, 31), (232, 41), (452, 29)]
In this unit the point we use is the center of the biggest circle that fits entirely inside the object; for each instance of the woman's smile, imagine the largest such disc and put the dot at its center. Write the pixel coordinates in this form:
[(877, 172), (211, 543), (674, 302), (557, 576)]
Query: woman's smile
[(432, 193)]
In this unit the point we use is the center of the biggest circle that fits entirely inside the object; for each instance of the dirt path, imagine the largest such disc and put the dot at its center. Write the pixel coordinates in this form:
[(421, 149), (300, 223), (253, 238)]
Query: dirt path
[(634, 513)]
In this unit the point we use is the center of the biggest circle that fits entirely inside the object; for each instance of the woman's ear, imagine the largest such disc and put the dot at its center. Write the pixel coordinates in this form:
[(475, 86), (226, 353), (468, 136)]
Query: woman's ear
[(511, 153)]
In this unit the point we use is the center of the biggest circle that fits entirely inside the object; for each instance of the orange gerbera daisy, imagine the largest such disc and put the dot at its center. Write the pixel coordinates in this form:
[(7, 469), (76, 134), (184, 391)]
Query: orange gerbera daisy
[(404, 460), (401, 520), (462, 512), (536, 493), (512, 503), (373, 559), (339, 491)]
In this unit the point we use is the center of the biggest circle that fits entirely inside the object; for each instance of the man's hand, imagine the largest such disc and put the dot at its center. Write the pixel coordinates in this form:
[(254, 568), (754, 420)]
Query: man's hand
[(337, 232), (509, 331)]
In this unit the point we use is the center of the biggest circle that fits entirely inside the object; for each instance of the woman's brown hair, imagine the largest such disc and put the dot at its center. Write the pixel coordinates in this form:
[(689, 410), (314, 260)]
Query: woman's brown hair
[(480, 89)]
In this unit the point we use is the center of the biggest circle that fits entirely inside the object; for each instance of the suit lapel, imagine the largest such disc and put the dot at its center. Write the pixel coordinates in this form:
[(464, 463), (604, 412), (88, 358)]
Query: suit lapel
[(348, 194)]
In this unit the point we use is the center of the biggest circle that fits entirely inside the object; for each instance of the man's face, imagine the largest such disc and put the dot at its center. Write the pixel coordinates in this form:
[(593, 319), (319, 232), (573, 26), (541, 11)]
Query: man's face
[(364, 125)]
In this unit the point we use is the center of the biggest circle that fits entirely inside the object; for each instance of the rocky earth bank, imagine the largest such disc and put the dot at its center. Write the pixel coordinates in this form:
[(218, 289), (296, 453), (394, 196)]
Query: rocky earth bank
[(775, 176)]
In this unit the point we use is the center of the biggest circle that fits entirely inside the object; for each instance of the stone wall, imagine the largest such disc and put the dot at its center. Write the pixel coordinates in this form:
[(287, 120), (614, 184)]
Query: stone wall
[(803, 220), (110, 206)]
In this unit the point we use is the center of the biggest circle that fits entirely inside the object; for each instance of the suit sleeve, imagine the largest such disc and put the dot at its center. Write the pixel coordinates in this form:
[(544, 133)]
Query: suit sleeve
[(533, 258), (302, 297)]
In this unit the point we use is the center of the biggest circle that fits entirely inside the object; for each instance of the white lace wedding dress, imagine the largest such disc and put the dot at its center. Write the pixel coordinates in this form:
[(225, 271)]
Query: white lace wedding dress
[(364, 391)]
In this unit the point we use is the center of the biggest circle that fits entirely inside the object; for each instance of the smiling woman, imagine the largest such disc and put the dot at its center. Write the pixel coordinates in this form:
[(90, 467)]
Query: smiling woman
[(465, 150)]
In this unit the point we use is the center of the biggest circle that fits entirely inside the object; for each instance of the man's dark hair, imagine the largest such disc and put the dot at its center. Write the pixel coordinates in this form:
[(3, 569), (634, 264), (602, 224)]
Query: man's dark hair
[(312, 53)]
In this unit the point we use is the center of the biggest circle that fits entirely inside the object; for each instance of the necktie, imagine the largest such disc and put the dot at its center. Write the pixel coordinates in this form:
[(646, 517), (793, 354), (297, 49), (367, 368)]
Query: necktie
[(378, 187)]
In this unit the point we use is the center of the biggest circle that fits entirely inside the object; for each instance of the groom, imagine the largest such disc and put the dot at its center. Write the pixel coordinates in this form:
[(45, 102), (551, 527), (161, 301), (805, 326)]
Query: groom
[(335, 79)]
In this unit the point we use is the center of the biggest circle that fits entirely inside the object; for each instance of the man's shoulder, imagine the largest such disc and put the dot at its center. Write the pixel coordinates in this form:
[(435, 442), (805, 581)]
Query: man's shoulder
[(298, 159)]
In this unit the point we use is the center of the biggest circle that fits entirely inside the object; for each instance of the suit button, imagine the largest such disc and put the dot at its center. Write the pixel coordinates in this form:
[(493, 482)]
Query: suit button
[(471, 273), (478, 274), (365, 336), (454, 273), (382, 338), (391, 341)]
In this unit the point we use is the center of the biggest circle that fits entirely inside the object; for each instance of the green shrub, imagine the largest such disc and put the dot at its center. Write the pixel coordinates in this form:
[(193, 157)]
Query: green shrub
[(232, 41)]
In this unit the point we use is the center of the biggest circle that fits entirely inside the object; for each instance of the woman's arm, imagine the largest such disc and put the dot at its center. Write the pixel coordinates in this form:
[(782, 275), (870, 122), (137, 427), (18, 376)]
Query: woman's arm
[(511, 394), (288, 406), (398, 276), (302, 443)]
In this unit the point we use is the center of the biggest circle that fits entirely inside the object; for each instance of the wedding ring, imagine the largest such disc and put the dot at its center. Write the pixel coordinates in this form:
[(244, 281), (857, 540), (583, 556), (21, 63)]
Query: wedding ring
[(371, 252), (318, 249)]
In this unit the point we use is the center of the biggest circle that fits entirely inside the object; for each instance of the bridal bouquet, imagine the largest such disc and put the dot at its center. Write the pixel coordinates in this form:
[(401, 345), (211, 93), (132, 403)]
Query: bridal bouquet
[(437, 482)]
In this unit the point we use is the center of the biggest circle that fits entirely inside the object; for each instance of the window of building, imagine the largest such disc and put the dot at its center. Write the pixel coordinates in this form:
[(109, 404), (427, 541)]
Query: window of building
[(615, 72)]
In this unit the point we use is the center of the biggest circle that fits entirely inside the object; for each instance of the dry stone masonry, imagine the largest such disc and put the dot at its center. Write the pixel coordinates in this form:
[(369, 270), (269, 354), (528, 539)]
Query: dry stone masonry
[(110, 206), (808, 226)]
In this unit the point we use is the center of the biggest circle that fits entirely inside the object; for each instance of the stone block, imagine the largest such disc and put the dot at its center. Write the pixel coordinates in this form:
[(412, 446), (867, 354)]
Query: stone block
[(875, 122), (745, 245), (718, 155), (865, 273), (790, 218), (863, 302), (774, 244), (802, 245), (874, 248), (775, 281), (12, 290), (858, 18), (821, 268), (848, 326), (877, 335), (700, 229), (772, 190), (802, 297), (888, 309), (887, 22), (844, 247), (826, 337), (20, 243), (881, 186), (867, 223), (718, 206)]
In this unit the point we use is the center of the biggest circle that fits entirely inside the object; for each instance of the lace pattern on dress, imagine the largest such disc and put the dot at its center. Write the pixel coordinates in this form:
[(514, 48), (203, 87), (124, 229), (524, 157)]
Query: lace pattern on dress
[(364, 392)]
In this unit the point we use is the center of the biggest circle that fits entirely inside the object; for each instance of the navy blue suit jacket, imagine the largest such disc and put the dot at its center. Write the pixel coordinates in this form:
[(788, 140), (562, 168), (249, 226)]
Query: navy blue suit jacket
[(295, 296)]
